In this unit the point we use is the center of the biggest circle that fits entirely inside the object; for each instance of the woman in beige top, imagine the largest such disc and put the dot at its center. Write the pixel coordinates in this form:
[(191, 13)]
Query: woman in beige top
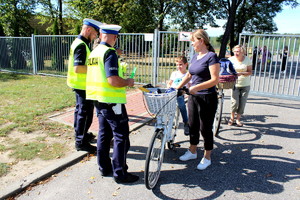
[(243, 66)]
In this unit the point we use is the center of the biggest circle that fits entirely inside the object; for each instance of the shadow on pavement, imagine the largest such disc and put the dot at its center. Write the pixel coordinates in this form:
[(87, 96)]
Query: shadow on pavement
[(234, 167)]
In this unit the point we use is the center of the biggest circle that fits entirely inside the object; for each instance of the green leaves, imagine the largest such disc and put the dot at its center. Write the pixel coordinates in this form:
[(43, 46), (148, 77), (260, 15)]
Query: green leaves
[(14, 12)]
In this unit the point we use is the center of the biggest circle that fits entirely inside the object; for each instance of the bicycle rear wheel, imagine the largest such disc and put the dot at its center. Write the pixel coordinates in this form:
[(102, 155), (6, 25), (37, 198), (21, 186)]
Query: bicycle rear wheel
[(175, 125), (218, 115), (154, 159)]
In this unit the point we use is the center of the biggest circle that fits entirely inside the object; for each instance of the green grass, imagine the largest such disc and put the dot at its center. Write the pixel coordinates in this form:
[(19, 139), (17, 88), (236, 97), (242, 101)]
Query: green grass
[(27, 151), (2, 148), (52, 151), (26, 102), (37, 149), (4, 169), (6, 129), (26, 98)]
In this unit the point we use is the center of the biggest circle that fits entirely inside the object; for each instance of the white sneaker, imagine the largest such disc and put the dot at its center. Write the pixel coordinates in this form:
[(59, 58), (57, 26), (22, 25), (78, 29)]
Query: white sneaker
[(204, 163), (188, 156)]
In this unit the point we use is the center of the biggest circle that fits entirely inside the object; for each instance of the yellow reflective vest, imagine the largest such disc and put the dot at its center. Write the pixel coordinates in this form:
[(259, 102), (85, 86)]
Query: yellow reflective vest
[(97, 86), (76, 80)]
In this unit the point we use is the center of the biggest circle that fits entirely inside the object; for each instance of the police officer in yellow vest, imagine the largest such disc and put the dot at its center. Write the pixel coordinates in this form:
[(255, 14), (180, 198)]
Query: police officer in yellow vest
[(106, 85), (77, 67)]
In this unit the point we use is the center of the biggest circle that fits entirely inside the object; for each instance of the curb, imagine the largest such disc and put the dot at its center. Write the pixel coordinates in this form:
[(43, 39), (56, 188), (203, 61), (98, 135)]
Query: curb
[(19, 186)]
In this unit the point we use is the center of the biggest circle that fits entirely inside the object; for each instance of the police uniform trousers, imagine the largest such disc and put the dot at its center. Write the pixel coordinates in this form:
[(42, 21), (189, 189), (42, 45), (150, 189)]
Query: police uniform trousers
[(112, 126), (83, 116)]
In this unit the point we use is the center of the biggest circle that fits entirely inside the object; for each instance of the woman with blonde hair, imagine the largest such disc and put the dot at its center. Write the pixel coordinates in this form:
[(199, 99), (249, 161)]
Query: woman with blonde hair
[(243, 66), (202, 103)]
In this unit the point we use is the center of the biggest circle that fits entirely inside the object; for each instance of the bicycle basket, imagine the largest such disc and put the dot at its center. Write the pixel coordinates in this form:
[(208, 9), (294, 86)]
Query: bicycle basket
[(163, 103), (226, 81)]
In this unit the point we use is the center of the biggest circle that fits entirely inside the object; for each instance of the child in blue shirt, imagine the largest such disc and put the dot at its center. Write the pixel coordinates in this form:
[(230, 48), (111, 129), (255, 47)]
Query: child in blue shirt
[(175, 79)]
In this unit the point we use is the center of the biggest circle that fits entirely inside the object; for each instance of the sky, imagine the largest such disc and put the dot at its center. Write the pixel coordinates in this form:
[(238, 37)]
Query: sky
[(287, 21)]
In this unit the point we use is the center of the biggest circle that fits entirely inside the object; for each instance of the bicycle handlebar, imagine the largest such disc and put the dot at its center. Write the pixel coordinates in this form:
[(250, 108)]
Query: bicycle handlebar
[(183, 90), (180, 91)]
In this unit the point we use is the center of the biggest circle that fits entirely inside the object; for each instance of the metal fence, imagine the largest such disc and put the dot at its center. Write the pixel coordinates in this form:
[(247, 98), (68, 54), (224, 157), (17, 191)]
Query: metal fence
[(137, 52), (51, 54), (275, 62), (16, 54), (153, 54)]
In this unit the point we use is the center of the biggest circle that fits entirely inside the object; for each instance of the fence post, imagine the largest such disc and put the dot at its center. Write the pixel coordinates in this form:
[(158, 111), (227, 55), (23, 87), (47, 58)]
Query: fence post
[(191, 53), (155, 56), (33, 49)]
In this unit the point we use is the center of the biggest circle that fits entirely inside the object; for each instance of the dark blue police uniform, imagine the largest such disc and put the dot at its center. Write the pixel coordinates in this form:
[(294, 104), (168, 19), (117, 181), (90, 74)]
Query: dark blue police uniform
[(112, 126), (83, 115)]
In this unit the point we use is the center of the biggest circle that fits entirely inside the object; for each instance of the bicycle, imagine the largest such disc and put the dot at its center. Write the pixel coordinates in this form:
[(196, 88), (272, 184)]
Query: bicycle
[(219, 111), (227, 80), (220, 90), (167, 118)]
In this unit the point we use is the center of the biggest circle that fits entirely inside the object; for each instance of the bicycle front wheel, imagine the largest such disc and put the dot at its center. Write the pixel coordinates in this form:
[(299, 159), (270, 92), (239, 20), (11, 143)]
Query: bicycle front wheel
[(218, 115), (154, 159)]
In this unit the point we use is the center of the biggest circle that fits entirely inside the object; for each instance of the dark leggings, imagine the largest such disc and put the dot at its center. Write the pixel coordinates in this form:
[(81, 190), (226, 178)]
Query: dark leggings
[(202, 109)]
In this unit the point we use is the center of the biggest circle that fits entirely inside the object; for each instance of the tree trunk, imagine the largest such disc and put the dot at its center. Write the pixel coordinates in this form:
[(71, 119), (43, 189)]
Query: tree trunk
[(229, 26), (4, 58), (60, 22), (1, 30), (14, 22), (225, 39)]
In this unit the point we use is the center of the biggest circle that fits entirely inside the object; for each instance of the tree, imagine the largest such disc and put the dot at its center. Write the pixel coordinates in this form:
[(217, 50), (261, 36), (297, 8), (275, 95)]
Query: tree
[(52, 13), (14, 17), (160, 9), (1, 29), (127, 13), (229, 9), (132, 15), (18, 14), (4, 58), (248, 15), (60, 18), (191, 14)]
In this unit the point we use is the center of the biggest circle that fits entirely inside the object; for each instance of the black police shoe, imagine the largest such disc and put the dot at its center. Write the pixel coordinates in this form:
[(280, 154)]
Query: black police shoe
[(90, 137), (106, 172), (86, 147), (130, 178)]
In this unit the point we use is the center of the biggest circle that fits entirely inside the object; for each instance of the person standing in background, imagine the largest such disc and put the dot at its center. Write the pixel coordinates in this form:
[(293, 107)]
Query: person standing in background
[(239, 94), (254, 56), (265, 58), (202, 103), (284, 57), (77, 69)]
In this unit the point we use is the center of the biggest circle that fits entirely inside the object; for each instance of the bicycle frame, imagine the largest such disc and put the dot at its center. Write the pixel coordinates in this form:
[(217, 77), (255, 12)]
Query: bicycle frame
[(154, 160), (219, 111), (163, 133), (165, 122)]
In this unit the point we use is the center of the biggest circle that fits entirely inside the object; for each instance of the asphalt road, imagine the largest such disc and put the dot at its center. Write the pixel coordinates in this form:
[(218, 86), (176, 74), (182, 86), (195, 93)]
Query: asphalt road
[(258, 161)]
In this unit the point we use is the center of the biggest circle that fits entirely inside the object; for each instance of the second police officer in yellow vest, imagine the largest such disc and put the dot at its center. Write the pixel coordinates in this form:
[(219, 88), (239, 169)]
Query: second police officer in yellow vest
[(106, 85)]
